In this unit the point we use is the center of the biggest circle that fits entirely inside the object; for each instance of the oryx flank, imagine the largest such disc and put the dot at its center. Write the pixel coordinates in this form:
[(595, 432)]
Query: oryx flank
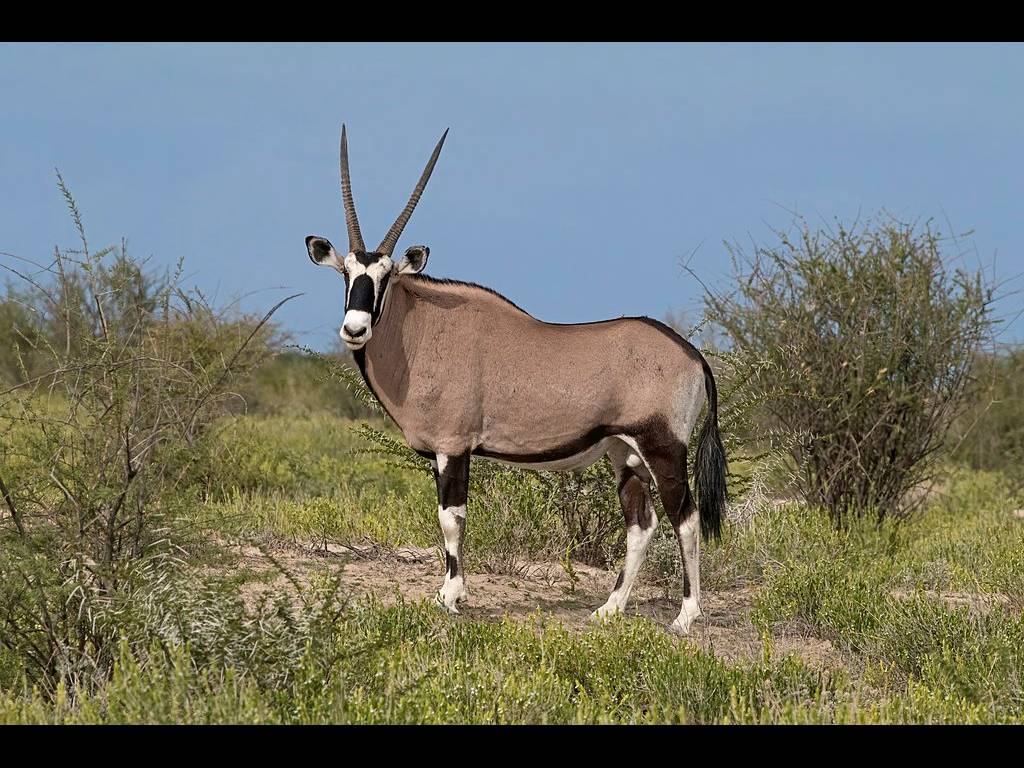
[(464, 372)]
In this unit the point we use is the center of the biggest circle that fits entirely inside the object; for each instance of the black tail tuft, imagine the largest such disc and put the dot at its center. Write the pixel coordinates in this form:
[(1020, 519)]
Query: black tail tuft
[(710, 465)]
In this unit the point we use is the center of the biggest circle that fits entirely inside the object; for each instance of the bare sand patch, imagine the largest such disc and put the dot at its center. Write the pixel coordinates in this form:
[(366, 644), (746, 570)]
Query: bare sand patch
[(538, 587)]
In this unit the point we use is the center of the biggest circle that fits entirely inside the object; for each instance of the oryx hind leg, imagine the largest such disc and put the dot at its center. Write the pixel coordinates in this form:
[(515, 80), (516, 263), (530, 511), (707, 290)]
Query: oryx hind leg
[(451, 474), (641, 520), (668, 466)]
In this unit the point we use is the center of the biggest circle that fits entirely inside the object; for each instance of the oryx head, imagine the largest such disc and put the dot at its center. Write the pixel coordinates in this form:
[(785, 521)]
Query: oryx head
[(369, 273)]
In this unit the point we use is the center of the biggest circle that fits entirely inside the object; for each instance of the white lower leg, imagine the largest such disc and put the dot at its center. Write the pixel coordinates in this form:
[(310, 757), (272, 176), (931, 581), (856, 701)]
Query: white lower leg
[(637, 539), (688, 535), (453, 525)]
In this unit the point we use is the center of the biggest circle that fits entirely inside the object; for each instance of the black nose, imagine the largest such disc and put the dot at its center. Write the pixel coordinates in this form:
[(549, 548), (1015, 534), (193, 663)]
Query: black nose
[(354, 334)]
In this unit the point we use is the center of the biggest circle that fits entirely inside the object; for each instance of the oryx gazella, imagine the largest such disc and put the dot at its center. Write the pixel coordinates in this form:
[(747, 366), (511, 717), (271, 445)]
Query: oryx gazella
[(464, 372)]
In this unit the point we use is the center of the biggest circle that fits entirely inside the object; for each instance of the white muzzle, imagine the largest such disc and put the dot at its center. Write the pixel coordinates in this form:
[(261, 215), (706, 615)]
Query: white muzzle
[(356, 330)]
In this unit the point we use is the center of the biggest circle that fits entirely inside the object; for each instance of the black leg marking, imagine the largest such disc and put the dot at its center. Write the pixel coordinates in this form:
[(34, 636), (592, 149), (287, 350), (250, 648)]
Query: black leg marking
[(452, 491), (451, 565), (618, 581), (686, 509), (453, 482)]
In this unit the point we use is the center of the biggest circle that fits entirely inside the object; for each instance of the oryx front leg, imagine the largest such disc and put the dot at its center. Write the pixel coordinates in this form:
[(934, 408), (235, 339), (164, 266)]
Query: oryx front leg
[(638, 509), (452, 476)]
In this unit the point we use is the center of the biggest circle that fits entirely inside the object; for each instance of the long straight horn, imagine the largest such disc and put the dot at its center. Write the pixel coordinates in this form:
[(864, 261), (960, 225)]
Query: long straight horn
[(387, 245), (355, 239)]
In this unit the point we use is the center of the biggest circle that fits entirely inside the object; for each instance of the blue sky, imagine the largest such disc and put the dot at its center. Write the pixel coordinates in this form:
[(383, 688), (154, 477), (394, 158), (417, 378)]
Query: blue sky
[(574, 180)]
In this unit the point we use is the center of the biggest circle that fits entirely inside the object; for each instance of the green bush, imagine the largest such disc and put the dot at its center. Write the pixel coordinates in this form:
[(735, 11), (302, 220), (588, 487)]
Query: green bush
[(990, 434), (126, 376), (870, 340)]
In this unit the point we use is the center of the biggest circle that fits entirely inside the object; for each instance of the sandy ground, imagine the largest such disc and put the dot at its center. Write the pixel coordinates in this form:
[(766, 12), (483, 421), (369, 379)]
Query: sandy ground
[(416, 574)]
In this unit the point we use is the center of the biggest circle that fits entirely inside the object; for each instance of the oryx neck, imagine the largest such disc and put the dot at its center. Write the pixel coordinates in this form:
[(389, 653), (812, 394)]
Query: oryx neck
[(386, 359)]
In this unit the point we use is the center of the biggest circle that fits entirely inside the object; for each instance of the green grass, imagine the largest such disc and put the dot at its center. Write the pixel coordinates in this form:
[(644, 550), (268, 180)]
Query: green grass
[(407, 663), (193, 652)]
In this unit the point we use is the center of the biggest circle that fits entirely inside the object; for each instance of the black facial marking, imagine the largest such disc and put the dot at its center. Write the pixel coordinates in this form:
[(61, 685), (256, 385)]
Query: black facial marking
[(381, 293), (366, 259), (361, 297)]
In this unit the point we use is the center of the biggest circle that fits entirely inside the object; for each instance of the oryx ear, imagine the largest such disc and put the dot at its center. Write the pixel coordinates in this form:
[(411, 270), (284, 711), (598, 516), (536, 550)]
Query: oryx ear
[(322, 253), (414, 261)]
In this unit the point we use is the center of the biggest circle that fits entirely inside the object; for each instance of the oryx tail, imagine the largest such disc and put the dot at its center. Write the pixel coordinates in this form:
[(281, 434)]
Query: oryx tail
[(709, 465)]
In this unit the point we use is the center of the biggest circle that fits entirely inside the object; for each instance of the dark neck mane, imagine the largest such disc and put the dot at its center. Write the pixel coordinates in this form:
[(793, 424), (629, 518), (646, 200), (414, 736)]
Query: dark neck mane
[(462, 287)]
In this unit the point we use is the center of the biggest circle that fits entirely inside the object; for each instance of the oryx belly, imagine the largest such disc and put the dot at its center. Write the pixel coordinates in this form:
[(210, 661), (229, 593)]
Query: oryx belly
[(580, 460)]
